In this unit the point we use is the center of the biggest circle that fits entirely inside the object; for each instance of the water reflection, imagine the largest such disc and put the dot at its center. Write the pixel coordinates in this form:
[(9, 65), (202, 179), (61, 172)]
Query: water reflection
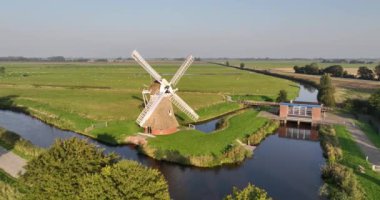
[(208, 126), (307, 93), (298, 132)]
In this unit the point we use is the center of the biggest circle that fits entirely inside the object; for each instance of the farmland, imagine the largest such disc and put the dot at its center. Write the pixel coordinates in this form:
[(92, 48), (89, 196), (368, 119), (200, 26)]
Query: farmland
[(104, 99)]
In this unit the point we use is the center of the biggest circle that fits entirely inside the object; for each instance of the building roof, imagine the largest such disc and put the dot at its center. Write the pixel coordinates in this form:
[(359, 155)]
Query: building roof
[(303, 104)]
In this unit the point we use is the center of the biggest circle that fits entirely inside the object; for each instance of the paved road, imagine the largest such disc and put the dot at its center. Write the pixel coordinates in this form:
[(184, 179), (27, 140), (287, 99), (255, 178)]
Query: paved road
[(11, 163)]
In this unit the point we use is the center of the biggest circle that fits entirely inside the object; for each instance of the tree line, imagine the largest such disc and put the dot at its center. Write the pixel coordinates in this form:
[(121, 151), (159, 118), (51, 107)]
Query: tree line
[(338, 71)]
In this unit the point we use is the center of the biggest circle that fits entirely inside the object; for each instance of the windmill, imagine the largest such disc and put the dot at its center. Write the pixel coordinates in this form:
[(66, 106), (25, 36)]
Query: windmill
[(158, 115)]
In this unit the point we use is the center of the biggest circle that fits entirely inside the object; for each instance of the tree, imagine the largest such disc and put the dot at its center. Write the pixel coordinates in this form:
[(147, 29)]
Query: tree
[(377, 71), (227, 63), (282, 96), (313, 68), (124, 180), (2, 70), (298, 69), (365, 73), (326, 91), (374, 102), (61, 171), (251, 192), (334, 70), (242, 65)]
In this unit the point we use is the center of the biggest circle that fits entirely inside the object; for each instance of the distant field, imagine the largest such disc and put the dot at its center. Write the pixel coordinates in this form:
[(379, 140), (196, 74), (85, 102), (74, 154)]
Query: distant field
[(270, 64), (105, 99)]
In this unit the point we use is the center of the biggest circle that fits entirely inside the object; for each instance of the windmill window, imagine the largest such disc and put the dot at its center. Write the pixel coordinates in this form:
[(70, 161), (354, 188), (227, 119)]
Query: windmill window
[(170, 112)]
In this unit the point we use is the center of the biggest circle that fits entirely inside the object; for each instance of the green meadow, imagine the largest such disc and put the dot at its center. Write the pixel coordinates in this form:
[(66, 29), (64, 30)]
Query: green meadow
[(104, 99)]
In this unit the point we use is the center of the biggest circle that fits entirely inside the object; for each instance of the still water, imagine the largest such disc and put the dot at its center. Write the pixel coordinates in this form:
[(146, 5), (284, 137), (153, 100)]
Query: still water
[(286, 168)]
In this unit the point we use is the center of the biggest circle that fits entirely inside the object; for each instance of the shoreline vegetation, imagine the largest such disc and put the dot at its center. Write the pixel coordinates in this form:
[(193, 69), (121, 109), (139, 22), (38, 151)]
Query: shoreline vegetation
[(20, 146), (192, 147), (347, 174)]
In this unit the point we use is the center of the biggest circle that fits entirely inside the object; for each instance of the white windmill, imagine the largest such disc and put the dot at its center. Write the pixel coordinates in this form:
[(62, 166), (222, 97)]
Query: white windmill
[(158, 116)]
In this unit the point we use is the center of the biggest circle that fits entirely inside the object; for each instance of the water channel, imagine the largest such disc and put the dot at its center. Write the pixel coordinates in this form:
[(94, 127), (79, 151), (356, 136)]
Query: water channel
[(286, 168)]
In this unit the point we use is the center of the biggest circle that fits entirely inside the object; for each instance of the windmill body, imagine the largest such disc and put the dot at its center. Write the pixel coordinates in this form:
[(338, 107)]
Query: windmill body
[(158, 116)]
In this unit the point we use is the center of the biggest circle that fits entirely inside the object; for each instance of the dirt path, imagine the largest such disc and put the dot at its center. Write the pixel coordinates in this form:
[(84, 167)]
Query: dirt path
[(367, 147), (370, 150), (11, 163)]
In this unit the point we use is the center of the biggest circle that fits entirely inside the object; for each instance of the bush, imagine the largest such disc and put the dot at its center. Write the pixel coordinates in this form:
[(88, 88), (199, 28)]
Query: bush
[(126, 180), (334, 70), (9, 192), (330, 144), (69, 167), (250, 192), (341, 183)]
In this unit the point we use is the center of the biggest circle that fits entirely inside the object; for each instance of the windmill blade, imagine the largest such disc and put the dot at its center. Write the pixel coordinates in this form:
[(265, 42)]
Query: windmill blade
[(182, 105), (181, 71), (139, 59), (149, 109)]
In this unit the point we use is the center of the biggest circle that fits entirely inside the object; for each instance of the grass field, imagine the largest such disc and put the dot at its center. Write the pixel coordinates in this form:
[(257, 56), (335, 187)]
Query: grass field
[(193, 142), (103, 98), (352, 158), (270, 64)]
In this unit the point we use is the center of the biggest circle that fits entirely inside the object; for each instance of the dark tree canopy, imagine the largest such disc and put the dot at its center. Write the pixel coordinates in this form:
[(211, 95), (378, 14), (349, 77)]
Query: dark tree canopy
[(312, 68), (282, 96), (60, 173), (227, 63), (250, 192), (377, 71), (334, 70), (242, 65), (374, 102), (326, 91), (366, 73), (126, 180)]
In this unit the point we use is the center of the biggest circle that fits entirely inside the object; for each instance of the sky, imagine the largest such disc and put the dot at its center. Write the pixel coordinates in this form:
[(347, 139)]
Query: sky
[(203, 28)]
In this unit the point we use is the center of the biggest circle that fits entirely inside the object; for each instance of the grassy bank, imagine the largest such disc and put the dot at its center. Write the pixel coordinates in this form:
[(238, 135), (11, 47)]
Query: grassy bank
[(18, 145), (340, 180), (371, 133), (192, 147), (347, 173), (104, 99), (352, 158)]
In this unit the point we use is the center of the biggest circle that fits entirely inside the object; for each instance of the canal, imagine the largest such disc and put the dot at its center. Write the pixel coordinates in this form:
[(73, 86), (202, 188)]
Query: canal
[(286, 167)]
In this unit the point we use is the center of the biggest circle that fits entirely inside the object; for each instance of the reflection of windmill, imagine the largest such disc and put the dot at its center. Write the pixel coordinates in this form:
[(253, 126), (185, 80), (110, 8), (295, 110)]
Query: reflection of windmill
[(158, 116)]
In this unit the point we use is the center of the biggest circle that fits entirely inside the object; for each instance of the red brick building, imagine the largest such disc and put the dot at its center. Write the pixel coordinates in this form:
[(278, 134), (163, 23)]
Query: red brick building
[(301, 112)]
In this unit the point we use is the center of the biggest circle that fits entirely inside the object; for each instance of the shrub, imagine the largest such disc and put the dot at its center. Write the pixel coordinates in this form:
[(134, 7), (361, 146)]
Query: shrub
[(341, 183), (250, 192), (330, 144), (9, 192), (74, 167), (126, 180)]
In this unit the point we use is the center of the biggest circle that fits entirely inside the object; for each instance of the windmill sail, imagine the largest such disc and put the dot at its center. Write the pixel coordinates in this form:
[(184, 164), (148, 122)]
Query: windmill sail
[(182, 105), (149, 109), (146, 66), (181, 71)]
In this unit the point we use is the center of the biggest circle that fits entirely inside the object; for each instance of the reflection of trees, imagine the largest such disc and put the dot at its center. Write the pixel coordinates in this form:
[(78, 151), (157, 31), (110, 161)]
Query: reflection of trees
[(309, 88)]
